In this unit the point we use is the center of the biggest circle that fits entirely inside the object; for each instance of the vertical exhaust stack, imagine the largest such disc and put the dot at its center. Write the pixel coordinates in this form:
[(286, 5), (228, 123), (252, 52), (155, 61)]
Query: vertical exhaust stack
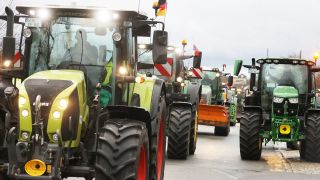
[(10, 22), (8, 41)]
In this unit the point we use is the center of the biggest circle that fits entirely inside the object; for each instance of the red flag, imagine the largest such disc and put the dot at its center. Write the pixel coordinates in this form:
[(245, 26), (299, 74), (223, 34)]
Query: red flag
[(162, 8), (196, 51)]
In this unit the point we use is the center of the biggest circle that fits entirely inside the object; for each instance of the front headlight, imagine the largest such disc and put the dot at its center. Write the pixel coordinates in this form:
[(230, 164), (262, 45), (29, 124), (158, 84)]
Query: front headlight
[(278, 100), (63, 104), (25, 113), (179, 79), (56, 114), (22, 100), (293, 100), (122, 70)]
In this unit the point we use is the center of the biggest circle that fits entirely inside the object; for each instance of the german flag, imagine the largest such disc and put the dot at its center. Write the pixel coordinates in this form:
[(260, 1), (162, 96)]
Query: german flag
[(162, 8)]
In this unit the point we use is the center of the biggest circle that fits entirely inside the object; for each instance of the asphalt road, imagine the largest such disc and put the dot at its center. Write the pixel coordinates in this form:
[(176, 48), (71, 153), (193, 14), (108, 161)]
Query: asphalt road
[(218, 158)]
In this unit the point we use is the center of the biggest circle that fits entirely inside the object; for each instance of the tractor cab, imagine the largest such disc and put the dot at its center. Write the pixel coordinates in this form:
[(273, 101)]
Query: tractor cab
[(285, 82), (282, 81), (214, 85)]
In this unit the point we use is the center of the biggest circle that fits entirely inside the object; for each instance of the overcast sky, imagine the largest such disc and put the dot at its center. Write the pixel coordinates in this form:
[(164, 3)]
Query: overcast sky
[(226, 30)]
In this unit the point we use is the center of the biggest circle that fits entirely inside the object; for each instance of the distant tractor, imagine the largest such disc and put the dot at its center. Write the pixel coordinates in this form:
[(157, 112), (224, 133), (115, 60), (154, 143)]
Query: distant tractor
[(183, 95), (240, 86), (215, 109), (280, 107)]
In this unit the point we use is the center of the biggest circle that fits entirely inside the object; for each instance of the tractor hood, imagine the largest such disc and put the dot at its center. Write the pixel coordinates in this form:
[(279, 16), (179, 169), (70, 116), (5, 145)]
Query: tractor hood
[(285, 92), (62, 96)]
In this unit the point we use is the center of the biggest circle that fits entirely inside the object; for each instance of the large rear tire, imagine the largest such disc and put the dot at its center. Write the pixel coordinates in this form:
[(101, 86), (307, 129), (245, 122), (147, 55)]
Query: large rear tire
[(179, 132), (123, 151), (312, 141), (158, 146), (250, 140)]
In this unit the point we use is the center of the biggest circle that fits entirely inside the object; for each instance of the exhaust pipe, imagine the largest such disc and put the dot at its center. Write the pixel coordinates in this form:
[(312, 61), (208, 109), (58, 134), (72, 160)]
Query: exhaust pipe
[(10, 22), (9, 41)]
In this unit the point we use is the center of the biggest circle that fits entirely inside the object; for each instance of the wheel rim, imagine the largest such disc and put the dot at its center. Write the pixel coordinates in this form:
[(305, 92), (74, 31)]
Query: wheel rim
[(160, 149), (196, 127), (142, 165)]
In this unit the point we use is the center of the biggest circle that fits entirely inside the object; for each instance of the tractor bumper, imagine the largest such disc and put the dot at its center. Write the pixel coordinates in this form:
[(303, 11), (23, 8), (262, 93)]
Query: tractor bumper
[(27, 177), (213, 115), (212, 123), (44, 163)]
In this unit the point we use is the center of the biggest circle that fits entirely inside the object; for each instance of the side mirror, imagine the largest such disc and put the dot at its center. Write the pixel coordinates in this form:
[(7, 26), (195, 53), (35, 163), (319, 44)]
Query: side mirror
[(230, 80), (159, 50), (197, 59), (237, 67)]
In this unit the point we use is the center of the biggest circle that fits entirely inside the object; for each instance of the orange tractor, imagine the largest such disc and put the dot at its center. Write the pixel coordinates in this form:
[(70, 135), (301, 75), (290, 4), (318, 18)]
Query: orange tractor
[(214, 105)]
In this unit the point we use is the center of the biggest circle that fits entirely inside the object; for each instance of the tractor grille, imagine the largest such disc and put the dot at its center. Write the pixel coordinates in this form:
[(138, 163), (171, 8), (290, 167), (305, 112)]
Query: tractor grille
[(72, 112), (48, 90), (278, 108)]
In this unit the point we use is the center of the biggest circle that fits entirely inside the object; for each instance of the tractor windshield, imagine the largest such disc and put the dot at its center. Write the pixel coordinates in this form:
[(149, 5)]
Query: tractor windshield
[(274, 75), (210, 79), (68, 43)]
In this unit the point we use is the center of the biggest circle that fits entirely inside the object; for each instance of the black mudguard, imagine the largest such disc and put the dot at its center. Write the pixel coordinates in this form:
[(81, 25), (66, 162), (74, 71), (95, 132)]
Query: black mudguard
[(252, 108), (122, 112), (184, 104), (159, 90), (194, 89)]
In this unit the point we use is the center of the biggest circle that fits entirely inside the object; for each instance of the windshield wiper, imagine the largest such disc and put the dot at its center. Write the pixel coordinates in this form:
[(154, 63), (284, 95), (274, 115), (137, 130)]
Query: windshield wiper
[(87, 65)]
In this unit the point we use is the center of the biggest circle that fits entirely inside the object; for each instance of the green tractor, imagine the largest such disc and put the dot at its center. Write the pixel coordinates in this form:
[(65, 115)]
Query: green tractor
[(280, 107), (183, 93), (217, 105), (232, 103), (82, 110)]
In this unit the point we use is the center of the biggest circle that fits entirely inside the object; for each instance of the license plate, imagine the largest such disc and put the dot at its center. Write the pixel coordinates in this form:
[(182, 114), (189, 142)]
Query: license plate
[(33, 22)]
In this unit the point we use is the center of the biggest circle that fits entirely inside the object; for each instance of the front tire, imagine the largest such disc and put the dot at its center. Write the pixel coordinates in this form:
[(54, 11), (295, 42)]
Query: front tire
[(123, 151), (179, 132), (312, 141), (250, 140)]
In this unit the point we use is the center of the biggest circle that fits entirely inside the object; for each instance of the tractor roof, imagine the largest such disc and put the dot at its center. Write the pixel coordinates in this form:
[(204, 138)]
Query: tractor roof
[(285, 61), (82, 12)]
